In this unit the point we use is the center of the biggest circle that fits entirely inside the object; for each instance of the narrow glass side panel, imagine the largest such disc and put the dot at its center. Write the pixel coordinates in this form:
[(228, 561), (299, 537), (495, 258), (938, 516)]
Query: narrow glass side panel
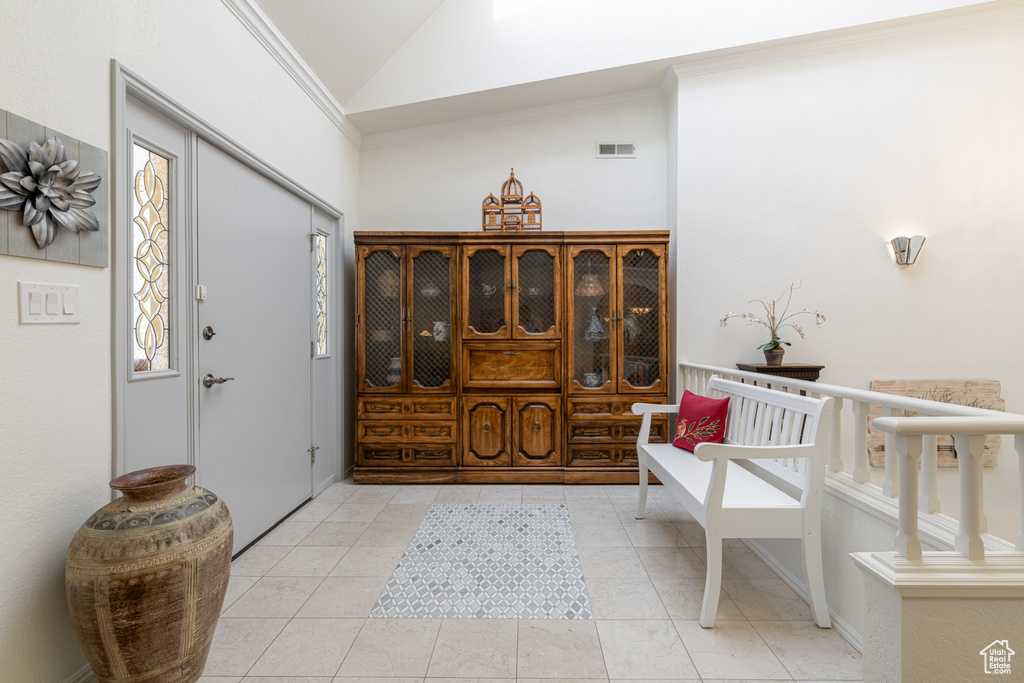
[(536, 292), (431, 319), (383, 272), (641, 330), (590, 338), (320, 247), (487, 291), (151, 242)]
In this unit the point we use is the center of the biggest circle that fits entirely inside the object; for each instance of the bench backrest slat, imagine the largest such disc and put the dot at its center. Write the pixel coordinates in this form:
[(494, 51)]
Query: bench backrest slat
[(765, 417)]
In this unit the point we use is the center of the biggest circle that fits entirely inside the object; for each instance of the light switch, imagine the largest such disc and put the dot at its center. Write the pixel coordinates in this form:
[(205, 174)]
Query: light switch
[(42, 303), (52, 303)]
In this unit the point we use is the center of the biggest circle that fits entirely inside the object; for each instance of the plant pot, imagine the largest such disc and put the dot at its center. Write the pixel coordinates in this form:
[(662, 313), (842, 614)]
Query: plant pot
[(146, 576), (774, 356)]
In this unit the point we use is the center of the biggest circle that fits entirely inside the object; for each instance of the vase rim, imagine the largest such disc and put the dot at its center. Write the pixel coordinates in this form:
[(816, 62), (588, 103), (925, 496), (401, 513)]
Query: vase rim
[(152, 477)]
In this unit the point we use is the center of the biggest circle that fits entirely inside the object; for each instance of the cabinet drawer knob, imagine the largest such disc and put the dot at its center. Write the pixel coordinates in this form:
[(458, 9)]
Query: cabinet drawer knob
[(486, 427), (536, 426), (511, 353)]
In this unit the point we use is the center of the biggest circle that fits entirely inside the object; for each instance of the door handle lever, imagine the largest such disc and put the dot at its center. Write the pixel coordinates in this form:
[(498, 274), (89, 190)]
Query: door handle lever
[(210, 380)]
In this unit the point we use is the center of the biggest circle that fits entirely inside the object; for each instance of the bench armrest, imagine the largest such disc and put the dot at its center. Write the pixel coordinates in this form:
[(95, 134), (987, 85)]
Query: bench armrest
[(730, 451), (646, 408)]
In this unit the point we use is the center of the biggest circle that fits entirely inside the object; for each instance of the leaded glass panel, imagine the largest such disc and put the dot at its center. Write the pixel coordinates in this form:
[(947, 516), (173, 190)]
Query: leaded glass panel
[(487, 291), (151, 247), (320, 245), (432, 319), (536, 281), (641, 332), (591, 318), (383, 341)]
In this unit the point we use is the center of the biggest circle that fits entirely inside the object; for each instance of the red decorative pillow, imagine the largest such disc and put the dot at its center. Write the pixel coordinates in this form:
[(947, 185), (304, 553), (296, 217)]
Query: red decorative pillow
[(701, 419)]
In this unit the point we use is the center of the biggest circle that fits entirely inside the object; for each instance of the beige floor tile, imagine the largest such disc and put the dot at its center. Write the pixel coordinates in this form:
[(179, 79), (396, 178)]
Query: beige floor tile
[(343, 596), (739, 562), (694, 535), (611, 563), (652, 513), (657, 680), (555, 648), (748, 680), (356, 513), (315, 511), (335, 534), (809, 652), (207, 679), (238, 643), (308, 647), (417, 494), (288, 533), (601, 536), (237, 586), (392, 647), (403, 513), (336, 494), (560, 680), (651, 534), (383, 534), (622, 492), (365, 679), (672, 563), (369, 561), (501, 493), (625, 599), (767, 600), (286, 679), (484, 648), (587, 512), (308, 560), (374, 494), (430, 679), (543, 493), (257, 560), (581, 492), (458, 493), (732, 649), (683, 599), (274, 596), (644, 650)]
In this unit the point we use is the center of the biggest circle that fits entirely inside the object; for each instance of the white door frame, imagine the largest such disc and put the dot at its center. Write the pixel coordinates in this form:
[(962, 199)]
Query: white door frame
[(127, 85)]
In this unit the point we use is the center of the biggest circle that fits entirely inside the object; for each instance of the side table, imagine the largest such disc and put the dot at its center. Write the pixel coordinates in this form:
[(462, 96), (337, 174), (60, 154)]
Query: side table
[(791, 371)]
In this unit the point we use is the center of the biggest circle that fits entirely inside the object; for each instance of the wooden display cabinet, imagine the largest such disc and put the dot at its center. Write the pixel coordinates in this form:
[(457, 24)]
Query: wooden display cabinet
[(507, 357)]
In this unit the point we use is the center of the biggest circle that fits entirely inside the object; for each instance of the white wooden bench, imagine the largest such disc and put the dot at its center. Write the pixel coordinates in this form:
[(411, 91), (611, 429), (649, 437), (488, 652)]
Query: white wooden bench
[(774, 433)]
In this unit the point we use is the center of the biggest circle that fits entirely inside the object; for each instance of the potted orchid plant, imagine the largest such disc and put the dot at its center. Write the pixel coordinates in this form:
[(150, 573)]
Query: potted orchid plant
[(778, 315)]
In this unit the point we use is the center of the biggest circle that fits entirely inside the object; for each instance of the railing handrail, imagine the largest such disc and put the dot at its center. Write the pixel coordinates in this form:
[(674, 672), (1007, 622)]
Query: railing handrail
[(917, 405), (969, 425)]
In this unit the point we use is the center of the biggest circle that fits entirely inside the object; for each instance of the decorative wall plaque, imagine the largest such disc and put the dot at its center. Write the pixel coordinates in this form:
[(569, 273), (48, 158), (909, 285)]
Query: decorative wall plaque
[(53, 203), (981, 393), (513, 212)]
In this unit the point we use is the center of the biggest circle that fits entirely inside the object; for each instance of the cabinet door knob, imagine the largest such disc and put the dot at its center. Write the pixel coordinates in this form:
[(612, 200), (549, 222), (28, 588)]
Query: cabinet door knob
[(536, 426), (486, 427)]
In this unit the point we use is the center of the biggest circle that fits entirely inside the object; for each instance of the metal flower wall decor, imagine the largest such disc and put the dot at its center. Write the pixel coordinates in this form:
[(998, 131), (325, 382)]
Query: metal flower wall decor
[(49, 189)]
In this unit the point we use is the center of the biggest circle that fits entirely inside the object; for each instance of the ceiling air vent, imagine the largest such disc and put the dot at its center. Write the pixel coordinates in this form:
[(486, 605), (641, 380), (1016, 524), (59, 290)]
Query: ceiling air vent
[(616, 150)]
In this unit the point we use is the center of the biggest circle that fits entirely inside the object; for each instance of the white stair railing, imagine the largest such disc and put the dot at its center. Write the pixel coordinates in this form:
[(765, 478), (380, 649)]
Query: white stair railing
[(908, 442)]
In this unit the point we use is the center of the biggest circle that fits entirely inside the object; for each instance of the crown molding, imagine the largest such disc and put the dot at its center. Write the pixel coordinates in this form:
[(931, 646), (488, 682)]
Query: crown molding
[(260, 26), (511, 118), (1011, 11)]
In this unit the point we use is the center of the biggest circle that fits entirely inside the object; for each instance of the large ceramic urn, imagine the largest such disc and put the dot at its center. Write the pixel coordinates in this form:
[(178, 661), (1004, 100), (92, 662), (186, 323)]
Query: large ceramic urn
[(146, 577)]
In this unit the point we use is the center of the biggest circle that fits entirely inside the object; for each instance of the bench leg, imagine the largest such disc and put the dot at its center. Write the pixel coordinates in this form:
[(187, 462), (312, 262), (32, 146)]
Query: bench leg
[(713, 583), (811, 549), (641, 504)]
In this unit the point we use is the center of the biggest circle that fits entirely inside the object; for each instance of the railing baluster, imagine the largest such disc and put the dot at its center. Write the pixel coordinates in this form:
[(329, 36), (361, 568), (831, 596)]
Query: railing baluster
[(1018, 442), (835, 462), (929, 501), (890, 485), (861, 475), (968, 539), (908, 451)]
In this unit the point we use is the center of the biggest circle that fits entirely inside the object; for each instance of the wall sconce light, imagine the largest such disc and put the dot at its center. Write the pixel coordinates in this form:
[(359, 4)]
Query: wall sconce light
[(907, 249)]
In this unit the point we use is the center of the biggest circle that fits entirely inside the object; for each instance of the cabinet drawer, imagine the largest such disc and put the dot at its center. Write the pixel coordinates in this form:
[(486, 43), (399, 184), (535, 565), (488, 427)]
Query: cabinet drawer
[(431, 408), (431, 431), (593, 407), (368, 430), (376, 456), (593, 431), (659, 429), (430, 455), (511, 365), (588, 456), (377, 407)]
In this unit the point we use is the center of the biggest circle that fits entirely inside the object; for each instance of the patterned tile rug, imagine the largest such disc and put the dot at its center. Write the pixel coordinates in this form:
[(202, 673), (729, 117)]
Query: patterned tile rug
[(489, 561)]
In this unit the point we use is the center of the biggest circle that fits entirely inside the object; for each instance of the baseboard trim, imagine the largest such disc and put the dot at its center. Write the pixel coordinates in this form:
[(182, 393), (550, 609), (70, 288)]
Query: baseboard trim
[(839, 625)]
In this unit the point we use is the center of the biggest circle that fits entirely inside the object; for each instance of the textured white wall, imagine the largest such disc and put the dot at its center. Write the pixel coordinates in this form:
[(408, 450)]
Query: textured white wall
[(469, 46), (439, 184), (55, 390), (802, 170)]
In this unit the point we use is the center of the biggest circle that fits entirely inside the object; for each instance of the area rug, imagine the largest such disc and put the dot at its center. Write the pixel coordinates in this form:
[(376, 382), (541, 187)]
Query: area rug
[(489, 561)]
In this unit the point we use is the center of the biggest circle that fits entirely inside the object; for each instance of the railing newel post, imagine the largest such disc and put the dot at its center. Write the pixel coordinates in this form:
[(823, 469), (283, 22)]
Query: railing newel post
[(908, 451)]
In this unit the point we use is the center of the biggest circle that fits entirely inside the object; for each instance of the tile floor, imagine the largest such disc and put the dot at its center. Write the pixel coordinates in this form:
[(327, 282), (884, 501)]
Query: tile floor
[(298, 604)]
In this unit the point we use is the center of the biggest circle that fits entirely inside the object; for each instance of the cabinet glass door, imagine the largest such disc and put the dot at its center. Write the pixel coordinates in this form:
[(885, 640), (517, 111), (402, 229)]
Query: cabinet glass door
[(592, 345), (486, 296), (535, 284), (380, 281), (430, 345), (642, 337)]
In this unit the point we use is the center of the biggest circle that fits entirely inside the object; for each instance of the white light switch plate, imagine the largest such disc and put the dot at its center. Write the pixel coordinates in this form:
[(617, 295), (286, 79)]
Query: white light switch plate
[(42, 303)]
